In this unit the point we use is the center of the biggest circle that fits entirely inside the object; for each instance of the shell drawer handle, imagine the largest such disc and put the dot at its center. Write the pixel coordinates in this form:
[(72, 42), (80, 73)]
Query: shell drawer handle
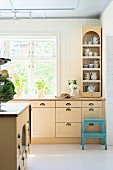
[(68, 104), (68, 109), (18, 146), (18, 135), (42, 104), (91, 109), (91, 104), (68, 124), (91, 124)]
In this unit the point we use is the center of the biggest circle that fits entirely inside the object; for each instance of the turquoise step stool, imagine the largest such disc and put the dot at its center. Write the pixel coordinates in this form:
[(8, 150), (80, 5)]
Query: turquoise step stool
[(101, 134)]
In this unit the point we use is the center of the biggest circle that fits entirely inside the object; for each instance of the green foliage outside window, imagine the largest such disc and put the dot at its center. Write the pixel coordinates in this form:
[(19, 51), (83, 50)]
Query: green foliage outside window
[(21, 78), (46, 71)]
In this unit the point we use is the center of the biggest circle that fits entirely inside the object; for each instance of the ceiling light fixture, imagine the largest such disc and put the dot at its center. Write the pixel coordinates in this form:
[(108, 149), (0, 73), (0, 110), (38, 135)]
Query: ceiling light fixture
[(44, 14), (30, 15), (14, 15)]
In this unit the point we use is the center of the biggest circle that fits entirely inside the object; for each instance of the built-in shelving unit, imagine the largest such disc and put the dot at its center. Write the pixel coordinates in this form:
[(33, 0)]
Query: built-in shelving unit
[(91, 62)]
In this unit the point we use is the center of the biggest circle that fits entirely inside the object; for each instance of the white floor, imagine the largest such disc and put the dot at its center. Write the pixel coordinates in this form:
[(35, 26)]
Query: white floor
[(70, 157)]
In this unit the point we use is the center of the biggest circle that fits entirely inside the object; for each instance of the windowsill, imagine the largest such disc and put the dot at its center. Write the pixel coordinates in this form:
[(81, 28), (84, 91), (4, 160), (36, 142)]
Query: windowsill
[(33, 97)]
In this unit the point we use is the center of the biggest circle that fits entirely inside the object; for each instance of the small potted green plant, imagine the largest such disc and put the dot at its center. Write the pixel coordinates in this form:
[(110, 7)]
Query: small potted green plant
[(40, 84), (19, 83)]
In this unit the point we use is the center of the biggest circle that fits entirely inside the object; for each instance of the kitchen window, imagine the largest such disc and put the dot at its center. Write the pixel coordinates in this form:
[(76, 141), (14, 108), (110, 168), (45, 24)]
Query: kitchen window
[(31, 60)]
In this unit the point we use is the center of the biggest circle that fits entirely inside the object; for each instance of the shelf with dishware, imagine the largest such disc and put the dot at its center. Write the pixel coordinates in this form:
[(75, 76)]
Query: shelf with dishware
[(91, 62), (91, 45), (93, 81), (91, 57)]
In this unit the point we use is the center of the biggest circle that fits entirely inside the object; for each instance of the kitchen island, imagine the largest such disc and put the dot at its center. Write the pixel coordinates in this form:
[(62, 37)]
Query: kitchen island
[(14, 135)]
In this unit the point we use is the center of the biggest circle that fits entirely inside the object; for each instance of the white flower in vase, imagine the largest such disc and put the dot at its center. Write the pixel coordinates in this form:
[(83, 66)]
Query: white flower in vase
[(73, 86)]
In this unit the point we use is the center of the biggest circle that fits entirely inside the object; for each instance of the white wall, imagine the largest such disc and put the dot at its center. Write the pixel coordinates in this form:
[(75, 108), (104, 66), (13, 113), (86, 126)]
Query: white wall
[(69, 33), (107, 25)]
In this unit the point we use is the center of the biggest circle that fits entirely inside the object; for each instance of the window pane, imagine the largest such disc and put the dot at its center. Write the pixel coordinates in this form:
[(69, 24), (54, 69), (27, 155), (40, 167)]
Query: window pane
[(46, 71), (1, 49), (44, 48), (18, 72), (19, 49)]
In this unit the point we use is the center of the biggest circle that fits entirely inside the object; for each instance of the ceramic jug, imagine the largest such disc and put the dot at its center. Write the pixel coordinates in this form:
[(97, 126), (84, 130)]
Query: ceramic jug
[(86, 51), (96, 64), (95, 40), (87, 76), (91, 88), (93, 76)]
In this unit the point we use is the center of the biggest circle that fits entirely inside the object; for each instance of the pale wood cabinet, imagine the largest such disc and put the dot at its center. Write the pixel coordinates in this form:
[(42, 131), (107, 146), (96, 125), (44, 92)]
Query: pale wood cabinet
[(91, 83), (68, 118), (60, 120), (42, 119), (93, 109)]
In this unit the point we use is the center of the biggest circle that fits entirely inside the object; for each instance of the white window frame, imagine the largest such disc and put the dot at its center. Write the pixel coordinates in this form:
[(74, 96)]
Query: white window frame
[(28, 37)]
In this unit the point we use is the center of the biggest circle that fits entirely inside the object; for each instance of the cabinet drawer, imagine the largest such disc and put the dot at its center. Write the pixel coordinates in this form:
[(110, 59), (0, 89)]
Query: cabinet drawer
[(68, 103), (42, 103), (93, 128), (68, 114), (91, 112), (91, 104), (68, 129)]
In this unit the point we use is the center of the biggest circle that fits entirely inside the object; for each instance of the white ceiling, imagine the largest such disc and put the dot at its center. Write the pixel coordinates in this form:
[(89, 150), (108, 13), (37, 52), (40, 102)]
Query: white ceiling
[(52, 8)]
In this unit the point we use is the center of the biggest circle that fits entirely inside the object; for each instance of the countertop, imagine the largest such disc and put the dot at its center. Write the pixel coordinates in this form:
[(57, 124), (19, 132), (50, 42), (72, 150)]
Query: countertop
[(59, 99), (12, 109)]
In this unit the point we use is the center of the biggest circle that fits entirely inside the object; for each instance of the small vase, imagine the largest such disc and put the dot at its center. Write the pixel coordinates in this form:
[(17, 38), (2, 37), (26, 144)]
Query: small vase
[(41, 93), (73, 92)]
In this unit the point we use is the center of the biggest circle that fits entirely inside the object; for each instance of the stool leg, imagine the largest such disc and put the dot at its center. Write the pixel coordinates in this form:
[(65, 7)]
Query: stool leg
[(102, 130), (82, 143), (103, 141), (105, 144)]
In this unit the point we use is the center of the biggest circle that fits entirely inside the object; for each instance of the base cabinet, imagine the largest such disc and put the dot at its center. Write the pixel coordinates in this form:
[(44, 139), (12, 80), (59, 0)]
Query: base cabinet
[(43, 122), (60, 120), (42, 119)]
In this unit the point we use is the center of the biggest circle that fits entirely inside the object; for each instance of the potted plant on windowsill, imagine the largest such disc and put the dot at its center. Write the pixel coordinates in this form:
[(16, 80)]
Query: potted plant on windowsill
[(19, 83), (40, 84)]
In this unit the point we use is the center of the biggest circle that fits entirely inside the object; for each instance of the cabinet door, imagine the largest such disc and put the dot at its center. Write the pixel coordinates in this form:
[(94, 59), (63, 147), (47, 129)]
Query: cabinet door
[(43, 122)]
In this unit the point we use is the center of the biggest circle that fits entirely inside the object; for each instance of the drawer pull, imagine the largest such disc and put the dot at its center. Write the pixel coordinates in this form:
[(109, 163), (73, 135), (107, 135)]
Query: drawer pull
[(91, 124), (18, 146), (19, 167), (18, 135), (91, 104), (68, 109), (68, 124), (42, 104), (91, 109), (68, 104)]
